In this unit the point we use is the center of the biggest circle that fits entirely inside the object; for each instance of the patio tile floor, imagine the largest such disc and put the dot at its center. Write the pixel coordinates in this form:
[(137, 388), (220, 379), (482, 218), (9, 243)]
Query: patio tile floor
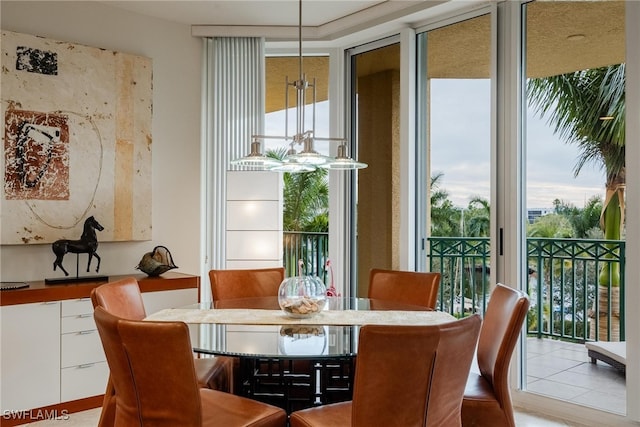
[(563, 370)]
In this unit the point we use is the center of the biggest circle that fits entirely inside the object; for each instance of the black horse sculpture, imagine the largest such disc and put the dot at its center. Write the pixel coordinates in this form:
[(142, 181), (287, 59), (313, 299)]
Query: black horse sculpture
[(87, 244)]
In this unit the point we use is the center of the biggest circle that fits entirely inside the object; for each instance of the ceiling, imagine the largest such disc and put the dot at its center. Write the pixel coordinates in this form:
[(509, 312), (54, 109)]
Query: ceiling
[(247, 12), (552, 23), (279, 19), (563, 35)]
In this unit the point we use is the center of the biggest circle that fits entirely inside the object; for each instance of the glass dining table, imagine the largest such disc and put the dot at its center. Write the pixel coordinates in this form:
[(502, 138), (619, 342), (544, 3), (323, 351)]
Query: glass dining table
[(289, 362)]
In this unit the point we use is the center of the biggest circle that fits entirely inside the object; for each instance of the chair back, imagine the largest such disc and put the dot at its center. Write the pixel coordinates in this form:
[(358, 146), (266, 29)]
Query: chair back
[(232, 284), (503, 319), (161, 363), (458, 340), (407, 287), (393, 375), (125, 410), (121, 298)]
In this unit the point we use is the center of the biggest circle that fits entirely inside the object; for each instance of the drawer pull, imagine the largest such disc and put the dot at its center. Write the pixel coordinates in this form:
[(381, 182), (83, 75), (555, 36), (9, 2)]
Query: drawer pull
[(85, 365), (83, 316), (85, 332)]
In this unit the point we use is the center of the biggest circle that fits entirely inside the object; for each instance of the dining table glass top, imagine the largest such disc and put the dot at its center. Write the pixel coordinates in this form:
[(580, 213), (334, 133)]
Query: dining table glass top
[(256, 327)]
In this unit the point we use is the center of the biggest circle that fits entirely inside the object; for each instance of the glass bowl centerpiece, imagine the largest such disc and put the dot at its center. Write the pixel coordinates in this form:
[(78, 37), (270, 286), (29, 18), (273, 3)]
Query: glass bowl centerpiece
[(302, 296)]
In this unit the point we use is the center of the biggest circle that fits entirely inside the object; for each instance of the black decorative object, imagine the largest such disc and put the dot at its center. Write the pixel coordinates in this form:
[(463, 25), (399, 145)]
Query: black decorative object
[(87, 244), (9, 286), (156, 262)]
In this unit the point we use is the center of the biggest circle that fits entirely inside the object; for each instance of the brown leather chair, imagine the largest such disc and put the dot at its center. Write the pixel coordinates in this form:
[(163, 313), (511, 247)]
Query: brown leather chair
[(487, 397), (123, 299), (457, 346), (405, 376), (152, 363), (407, 287), (232, 284), (124, 410)]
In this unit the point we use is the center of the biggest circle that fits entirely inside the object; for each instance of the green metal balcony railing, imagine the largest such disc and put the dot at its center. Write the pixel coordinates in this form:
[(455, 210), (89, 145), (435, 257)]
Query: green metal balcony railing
[(567, 301), (311, 248), (563, 277), (464, 267)]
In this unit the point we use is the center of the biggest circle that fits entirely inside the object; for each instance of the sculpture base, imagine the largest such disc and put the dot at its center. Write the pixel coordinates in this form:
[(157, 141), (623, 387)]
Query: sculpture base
[(65, 280)]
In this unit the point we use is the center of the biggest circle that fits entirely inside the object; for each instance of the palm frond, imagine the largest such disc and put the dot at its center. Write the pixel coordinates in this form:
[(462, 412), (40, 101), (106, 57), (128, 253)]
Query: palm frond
[(575, 104)]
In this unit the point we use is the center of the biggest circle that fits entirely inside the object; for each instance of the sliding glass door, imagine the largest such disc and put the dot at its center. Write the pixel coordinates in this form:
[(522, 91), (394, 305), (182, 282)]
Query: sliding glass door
[(455, 132), (375, 100), (574, 56), (515, 166)]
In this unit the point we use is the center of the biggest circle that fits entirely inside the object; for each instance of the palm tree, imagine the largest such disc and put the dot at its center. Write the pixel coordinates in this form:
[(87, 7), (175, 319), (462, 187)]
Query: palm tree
[(478, 217), (588, 109), (551, 226), (305, 210), (585, 221), (305, 199), (445, 217)]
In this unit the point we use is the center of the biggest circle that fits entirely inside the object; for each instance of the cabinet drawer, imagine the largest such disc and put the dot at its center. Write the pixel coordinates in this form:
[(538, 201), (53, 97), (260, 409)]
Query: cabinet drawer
[(77, 323), (78, 382), (73, 307), (30, 359), (81, 348)]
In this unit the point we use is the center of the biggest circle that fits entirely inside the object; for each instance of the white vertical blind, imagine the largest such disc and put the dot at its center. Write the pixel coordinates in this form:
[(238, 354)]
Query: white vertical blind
[(233, 109)]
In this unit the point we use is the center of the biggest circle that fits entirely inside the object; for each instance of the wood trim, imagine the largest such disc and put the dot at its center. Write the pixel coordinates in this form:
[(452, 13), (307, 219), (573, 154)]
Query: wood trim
[(40, 292), (50, 412)]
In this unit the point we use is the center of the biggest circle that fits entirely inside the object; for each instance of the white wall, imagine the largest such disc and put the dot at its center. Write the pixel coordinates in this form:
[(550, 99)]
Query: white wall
[(177, 58)]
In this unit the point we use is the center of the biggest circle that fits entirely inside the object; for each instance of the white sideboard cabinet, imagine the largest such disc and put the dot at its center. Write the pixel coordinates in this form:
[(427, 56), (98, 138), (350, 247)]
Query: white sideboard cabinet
[(30, 357), (51, 356), (83, 365)]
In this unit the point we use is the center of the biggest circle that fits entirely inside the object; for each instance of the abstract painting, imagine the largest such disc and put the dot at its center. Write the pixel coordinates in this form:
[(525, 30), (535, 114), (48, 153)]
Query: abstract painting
[(77, 141)]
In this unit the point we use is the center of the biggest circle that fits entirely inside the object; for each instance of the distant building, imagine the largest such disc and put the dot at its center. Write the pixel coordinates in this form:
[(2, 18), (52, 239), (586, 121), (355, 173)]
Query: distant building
[(535, 213)]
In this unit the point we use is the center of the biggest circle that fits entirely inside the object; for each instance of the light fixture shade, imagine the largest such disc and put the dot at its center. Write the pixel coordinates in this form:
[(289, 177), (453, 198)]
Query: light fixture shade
[(255, 160), (293, 167), (342, 161), (343, 164), (308, 155)]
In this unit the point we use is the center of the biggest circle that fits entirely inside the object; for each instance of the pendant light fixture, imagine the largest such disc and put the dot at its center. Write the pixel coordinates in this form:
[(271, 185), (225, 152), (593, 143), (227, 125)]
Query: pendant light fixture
[(255, 160), (307, 159)]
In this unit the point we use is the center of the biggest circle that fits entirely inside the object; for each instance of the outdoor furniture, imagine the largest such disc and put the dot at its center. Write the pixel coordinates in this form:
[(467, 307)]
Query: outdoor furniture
[(613, 353)]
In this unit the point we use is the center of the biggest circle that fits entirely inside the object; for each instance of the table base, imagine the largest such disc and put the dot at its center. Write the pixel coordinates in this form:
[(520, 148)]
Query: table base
[(294, 384)]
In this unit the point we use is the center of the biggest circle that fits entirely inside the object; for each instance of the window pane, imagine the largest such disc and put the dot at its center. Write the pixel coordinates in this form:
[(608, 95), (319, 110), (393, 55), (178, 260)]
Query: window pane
[(458, 161), (575, 161)]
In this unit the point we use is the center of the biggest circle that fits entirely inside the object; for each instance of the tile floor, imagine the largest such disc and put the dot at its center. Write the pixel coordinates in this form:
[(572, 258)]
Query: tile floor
[(90, 419), (562, 370), (555, 368)]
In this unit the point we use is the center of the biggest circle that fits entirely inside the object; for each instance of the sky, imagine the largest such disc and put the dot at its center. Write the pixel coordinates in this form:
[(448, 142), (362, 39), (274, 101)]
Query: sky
[(462, 152), (460, 138)]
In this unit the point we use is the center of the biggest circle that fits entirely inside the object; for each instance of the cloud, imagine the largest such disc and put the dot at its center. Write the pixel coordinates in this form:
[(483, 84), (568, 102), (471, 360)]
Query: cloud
[(461, 149), (460, 135)]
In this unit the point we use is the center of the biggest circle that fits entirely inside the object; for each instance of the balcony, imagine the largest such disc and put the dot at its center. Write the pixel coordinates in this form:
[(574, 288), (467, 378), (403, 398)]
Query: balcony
[(563, 275), (568, 307)]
